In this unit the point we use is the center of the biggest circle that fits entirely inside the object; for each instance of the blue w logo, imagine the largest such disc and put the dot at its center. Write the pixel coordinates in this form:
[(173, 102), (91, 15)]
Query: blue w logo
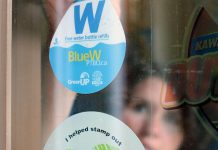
[(93, 20)]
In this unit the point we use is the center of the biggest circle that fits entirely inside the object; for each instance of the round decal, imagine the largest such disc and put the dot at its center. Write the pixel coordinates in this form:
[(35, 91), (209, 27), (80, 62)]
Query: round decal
[(195, 76), (88, 47), (93, 131)]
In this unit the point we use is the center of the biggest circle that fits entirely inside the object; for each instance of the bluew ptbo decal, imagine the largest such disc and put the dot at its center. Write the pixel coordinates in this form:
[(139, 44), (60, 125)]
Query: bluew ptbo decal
[(88, 47)]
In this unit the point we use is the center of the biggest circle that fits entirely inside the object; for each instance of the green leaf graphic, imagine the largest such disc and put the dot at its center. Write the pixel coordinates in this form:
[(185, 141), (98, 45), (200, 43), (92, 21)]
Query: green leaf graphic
[(105, 147)]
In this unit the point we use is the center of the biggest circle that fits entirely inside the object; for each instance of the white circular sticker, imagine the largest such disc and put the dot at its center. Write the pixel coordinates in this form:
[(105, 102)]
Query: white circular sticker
[(93, 131), (88, 47)]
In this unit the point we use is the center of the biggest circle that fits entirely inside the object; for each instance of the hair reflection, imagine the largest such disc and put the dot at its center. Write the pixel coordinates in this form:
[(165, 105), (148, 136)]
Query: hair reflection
[(156, 127)]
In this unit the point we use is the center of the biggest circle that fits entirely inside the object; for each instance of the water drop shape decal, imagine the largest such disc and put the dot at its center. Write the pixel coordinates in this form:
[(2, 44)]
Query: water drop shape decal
[(88, 47)]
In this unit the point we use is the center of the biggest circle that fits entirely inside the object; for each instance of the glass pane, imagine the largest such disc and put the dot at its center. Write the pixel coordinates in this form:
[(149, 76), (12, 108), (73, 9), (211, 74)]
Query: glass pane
[(164, 89)]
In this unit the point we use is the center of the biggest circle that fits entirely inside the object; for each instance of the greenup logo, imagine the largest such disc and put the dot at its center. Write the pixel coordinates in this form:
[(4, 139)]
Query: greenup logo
[(105, 147)]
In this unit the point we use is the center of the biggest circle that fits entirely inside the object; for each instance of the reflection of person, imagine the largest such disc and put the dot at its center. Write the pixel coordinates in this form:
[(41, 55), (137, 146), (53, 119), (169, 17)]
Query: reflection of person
[(157, 128)]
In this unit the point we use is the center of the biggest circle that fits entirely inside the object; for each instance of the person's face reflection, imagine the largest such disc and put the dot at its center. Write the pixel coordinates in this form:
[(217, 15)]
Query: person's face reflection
[(158, 129)]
